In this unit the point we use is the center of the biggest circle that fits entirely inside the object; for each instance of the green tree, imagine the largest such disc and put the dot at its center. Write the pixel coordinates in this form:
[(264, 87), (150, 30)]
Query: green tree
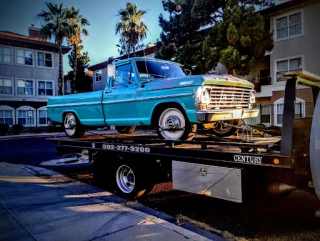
[(79, 23), (56, 23), (131, 28), (189, 23), (82, 81), (238, 40)]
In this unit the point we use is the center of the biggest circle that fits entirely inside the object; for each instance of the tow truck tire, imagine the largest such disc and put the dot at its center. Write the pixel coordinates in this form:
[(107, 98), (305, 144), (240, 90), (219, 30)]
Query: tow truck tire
[(129, 181), (72, 126), (173, 118), (125, 129), (221, 131)]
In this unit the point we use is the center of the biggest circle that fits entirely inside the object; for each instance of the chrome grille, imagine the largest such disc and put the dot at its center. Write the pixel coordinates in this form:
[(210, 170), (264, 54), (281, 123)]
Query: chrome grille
[(222, 97)]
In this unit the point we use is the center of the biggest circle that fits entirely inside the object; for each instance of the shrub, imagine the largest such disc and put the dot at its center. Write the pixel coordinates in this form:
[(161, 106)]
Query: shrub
[(37, 130), (16, 129), (4, 129)]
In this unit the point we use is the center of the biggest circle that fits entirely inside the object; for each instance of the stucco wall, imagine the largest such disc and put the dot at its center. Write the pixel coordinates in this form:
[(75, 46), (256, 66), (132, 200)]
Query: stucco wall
[(307, 45), (100, 85), (14, 71)]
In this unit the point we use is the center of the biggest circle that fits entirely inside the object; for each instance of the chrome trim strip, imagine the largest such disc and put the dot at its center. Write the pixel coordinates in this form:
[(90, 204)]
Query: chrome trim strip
[(117, 101), (163, 97), (225, 111), (148, 98), (73, 104)]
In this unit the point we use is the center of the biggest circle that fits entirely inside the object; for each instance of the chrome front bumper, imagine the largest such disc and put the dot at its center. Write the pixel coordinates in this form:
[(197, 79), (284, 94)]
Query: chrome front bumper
[(220, 115)]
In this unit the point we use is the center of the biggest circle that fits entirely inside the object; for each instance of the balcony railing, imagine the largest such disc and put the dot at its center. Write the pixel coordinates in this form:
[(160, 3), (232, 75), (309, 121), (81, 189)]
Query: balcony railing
[(262, 82)]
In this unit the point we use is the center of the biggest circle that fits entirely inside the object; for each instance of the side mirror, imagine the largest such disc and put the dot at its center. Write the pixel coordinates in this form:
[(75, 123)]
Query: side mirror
[(111, 68), (187, 71)]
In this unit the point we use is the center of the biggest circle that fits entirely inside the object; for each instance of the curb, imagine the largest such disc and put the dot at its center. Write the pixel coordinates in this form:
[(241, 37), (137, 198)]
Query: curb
[(23, 136)]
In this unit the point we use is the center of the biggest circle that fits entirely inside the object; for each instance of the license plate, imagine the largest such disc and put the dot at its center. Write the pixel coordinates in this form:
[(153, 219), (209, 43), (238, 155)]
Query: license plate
[(237, 114)]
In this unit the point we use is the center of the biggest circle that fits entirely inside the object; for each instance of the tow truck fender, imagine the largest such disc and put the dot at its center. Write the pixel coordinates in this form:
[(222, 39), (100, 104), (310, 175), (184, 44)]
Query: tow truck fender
[(315, 148)]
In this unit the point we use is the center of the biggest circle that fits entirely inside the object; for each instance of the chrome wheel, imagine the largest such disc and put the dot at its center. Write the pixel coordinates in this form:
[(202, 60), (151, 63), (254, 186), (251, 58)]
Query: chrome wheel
[(70, 124), (172, 124), (125, 179)]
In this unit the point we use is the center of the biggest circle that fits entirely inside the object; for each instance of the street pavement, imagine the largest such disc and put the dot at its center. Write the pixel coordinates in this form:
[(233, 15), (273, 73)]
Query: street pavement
[(40, 204)]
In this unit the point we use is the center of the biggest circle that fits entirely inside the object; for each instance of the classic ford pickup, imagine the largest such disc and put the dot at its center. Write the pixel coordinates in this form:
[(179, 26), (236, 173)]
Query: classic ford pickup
[(146, 91)]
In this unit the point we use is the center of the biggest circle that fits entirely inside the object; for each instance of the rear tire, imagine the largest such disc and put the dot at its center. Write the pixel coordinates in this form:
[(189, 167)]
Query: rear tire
[(174, 125), (125, 129), (130, 181), (72, 126)]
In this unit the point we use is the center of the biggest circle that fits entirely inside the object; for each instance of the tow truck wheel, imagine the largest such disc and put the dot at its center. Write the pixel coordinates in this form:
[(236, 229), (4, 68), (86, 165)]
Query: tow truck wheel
[(173, 125), (72, 126), (221, 130), (129, 181), (125, 129)]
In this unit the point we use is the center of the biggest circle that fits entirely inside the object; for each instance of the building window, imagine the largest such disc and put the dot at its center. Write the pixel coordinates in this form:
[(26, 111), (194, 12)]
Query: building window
[(6, 87), (98, 76), (5, 55), (43, 118), (24, 87), (6, 115), (289, 26), (24, 57), (293, 64), (265, 114), (26, 116), (45, 88), (299, 111), (44, 59)]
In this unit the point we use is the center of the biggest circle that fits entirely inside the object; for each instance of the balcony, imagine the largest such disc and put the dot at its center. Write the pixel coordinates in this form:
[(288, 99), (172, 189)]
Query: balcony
[(261, 82)]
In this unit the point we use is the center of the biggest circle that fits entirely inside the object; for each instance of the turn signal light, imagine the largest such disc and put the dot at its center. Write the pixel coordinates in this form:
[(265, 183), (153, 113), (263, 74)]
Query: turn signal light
[(203, 107), (276, 161)]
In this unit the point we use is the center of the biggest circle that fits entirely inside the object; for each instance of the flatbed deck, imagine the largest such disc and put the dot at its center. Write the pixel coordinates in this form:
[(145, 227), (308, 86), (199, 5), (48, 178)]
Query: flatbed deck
[(202, 149)]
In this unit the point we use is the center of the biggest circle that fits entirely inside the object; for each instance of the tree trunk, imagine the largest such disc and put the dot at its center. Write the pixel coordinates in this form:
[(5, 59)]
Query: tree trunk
[(60, 80), (73, 81)]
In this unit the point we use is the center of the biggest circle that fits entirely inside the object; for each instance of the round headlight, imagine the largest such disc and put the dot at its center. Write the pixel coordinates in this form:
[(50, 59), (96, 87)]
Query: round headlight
[(252, 97), (205, 97)]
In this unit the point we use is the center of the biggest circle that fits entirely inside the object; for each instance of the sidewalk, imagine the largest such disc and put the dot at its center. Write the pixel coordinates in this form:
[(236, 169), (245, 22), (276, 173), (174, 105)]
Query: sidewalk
[(39, 204)]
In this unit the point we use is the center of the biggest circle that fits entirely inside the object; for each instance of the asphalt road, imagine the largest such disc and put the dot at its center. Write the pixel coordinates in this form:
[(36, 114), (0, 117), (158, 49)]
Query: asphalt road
[(289, 217)]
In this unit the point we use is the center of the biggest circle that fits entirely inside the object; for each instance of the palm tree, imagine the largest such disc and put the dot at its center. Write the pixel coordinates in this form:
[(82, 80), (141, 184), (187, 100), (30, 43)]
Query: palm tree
[(79, 22), (56, 23), (131, 27)]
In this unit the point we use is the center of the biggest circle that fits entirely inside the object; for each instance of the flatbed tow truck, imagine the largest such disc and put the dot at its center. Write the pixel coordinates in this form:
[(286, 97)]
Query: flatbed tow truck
[(224, 168)]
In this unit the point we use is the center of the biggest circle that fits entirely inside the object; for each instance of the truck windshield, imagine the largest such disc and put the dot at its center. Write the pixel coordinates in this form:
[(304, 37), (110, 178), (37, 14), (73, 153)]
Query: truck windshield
[(155, 69)]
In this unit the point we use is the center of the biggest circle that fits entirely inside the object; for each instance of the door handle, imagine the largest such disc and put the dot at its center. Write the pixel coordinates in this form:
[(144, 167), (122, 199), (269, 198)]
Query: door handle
[(107, 91)]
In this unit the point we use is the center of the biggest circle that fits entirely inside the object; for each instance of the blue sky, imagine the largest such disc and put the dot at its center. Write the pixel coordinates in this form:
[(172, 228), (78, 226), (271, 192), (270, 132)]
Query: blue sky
[(17, 15)]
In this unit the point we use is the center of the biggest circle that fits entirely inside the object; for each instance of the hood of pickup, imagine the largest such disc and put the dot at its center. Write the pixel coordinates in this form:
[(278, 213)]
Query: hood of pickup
[(226, 80), (196, 80), (168, 83)]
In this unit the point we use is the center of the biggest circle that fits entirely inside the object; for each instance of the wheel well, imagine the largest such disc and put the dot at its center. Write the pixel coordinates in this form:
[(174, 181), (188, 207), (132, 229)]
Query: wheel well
[(66, 112), (163, 106)]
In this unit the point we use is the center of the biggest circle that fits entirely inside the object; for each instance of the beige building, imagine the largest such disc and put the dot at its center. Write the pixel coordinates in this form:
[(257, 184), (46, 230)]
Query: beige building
[(295, 25), (29, 67)]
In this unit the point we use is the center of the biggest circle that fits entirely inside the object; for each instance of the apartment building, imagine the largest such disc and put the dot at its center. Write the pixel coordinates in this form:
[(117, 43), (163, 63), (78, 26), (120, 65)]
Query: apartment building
[(296, 47), (29, 67)]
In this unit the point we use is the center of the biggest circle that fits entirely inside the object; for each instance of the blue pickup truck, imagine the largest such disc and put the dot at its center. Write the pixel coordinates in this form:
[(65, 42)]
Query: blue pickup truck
[(153, 92)]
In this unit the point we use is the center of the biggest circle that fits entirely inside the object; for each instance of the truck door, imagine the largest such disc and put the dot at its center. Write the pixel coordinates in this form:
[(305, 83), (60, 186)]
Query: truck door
[(119, 98)]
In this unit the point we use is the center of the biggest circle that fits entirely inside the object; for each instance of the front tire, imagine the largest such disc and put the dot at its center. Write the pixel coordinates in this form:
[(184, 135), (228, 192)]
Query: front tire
[(72, 126), (125, 129), (224, 131), (173, 125)]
